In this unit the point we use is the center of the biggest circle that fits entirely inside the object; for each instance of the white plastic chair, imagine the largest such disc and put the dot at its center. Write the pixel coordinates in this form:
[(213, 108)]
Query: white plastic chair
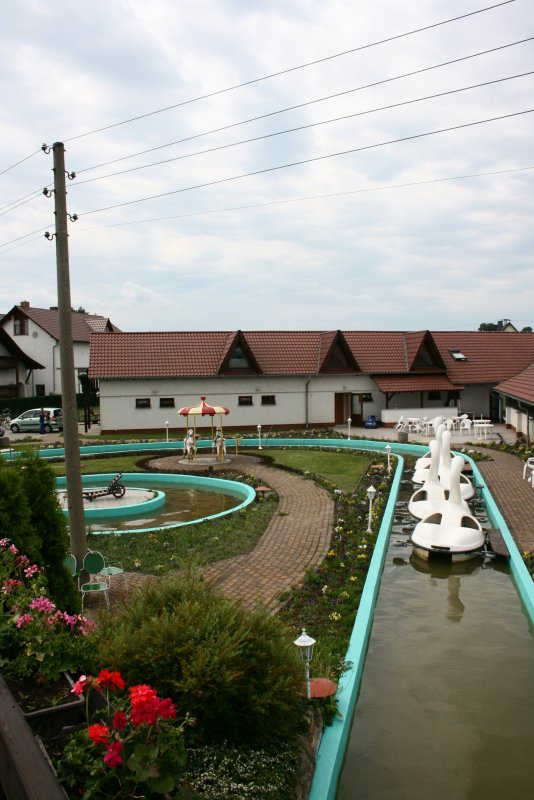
[(529, 465), (400, 426), (465, 426)]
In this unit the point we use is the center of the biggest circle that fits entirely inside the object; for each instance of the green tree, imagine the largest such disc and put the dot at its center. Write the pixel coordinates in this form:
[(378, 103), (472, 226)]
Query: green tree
[(15, 512), (488, 326), (50, 527)]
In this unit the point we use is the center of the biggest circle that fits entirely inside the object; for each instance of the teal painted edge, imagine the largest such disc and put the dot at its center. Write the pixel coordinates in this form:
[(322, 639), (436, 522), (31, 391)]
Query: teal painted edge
[(118, 512), (241, 490), (334, 741)]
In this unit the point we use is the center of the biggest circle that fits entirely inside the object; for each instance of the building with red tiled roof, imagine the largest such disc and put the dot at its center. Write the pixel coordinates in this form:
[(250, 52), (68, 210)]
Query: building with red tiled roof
[(302, 378), (518, 394), (34, 332)]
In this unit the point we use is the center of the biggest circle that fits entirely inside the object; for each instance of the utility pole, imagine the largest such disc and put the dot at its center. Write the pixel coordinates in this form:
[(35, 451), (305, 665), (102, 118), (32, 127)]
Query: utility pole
[(78, 541)]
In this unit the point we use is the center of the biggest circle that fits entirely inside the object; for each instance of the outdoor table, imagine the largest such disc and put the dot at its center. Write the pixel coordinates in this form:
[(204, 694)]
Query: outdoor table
[(482, 427)]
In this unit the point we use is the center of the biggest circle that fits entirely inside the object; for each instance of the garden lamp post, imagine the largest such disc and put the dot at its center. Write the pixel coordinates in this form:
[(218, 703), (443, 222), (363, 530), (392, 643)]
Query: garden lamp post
[(305, 645), (371, 491), (388, 452), (166, 430), (348, 425), (259, 438)]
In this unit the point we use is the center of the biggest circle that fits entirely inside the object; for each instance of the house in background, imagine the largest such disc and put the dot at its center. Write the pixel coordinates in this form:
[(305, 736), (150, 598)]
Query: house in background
[(302, 378), (518, 395), (34, 334), (16, 368)]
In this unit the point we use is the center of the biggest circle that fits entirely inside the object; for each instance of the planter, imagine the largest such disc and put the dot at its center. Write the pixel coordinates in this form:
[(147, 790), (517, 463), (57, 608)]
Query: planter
[(63, 718)]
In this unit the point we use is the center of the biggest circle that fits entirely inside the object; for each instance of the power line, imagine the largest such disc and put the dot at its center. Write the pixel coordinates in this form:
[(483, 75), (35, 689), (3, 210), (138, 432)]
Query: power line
[(26, 235), (311, 197), (305, 127), (20, 202), (20, 162), (291, 69), (249, 206), (305, 161), (308, 103)]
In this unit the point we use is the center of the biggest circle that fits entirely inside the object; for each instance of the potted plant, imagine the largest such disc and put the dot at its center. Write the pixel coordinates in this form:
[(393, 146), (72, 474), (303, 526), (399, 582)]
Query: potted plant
[(131, 748)]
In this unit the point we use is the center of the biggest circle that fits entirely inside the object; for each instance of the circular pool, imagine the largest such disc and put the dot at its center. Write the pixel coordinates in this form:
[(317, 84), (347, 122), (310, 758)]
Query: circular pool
[(155, 501)]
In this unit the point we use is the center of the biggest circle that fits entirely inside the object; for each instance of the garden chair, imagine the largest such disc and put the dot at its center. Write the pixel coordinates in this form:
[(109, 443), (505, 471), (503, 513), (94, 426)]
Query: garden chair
[(112, 571), (94, 563), (70, 564), (401, 425)]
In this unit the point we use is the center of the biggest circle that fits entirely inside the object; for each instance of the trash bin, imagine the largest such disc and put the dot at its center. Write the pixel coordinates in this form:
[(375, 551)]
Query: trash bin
[(402, 436)]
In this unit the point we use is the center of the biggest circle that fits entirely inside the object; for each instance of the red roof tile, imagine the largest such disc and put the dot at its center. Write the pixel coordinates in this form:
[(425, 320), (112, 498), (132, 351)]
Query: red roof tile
[(521, 386), (414, 383), (490, 357)]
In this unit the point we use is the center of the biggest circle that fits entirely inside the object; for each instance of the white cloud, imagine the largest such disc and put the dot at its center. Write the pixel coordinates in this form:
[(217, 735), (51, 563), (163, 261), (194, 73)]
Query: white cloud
[(441, 255)]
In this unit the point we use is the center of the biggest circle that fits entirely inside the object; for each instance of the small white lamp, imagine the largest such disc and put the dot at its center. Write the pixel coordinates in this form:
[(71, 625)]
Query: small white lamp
[(371, 491), (388, 452), (259, 438), (349, 421), (305, 645)]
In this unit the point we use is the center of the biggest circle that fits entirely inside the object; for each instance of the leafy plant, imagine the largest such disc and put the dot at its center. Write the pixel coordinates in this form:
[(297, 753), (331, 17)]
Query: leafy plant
[(235, 671), (136, 749), (37, 639)]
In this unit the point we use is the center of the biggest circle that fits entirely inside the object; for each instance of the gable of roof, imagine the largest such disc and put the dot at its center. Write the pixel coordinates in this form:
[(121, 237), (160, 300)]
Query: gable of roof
[(422, 353), (334, 354), (520, 386), (14, 350), (237, 357), (48, 319)]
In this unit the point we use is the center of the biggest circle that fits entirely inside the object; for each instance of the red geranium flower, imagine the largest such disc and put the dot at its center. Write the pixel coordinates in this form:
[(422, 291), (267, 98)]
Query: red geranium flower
[(111, 680), (120, 720), (113, 756), (98, 734)]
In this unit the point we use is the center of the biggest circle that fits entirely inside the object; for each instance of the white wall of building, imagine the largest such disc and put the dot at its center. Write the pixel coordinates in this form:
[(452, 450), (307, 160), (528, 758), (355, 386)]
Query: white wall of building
[(44, 349)]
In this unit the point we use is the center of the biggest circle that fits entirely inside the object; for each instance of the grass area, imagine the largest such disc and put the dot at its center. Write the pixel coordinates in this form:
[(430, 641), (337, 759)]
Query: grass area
[(161, 551), (343, 469)]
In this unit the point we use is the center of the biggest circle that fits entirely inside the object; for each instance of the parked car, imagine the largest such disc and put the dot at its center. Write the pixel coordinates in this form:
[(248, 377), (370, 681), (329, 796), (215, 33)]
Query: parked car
[(30, 420)]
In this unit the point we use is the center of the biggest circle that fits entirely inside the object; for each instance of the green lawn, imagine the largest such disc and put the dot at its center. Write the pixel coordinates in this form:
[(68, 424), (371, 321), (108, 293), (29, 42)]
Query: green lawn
[(343, 469)]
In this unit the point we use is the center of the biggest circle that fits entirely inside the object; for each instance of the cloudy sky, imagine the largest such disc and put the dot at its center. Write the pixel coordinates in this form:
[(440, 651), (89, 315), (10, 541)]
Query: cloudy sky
[(273, 164)]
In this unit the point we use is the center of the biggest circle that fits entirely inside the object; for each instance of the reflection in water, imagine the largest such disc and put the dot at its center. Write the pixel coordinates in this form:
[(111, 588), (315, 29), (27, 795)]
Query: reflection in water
[(456, 608), (446, 706), (181, 505)]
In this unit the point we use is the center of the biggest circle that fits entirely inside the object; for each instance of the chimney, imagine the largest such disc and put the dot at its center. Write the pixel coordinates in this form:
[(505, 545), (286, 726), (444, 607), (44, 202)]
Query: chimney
[(24, 304)]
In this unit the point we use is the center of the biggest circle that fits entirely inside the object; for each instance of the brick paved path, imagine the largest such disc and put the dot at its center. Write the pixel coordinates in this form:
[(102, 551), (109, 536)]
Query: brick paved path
[(297, 537), (514, 496)]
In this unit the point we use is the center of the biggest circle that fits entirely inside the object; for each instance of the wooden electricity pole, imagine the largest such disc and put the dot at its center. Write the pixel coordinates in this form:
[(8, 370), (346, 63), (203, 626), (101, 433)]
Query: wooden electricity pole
[(78, 541)]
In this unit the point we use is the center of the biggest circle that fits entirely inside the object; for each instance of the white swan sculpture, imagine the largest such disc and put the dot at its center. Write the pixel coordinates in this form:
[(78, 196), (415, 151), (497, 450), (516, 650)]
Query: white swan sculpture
[(452, 531), (432, 495), (467, 490)]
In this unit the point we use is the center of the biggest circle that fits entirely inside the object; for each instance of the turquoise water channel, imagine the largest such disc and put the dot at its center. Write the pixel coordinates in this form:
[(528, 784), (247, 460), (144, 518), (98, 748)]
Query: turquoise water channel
[(446, 704)]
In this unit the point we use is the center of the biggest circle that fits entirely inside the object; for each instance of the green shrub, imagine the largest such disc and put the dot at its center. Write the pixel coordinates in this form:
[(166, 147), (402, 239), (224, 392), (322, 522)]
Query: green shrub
[(30, 516), (234, 671)]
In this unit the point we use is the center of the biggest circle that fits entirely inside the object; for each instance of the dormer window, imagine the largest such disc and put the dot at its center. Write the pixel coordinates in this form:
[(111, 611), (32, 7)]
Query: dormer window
[(238, 359), (457, 354)]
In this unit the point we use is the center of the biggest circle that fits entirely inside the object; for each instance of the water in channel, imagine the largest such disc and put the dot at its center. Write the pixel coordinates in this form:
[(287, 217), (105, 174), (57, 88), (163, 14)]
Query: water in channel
[(446, 707)]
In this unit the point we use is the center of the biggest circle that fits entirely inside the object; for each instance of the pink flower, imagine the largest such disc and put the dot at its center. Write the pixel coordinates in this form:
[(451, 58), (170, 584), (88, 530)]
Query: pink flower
[(70, 619), (24, 619), (98, 734), (79, 686), (10, 585), (4, 542), (13, 549), (113, 756), (30, 571), (22, 561), (120, 720), (42, 604)]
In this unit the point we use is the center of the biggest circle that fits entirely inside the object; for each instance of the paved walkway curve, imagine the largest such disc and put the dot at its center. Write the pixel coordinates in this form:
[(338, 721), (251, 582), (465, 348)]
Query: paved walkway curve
[(296, 538), (503, 474)]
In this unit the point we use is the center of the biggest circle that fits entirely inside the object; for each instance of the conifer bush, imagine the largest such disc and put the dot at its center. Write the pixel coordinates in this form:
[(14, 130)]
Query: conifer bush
[(234, 671)]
